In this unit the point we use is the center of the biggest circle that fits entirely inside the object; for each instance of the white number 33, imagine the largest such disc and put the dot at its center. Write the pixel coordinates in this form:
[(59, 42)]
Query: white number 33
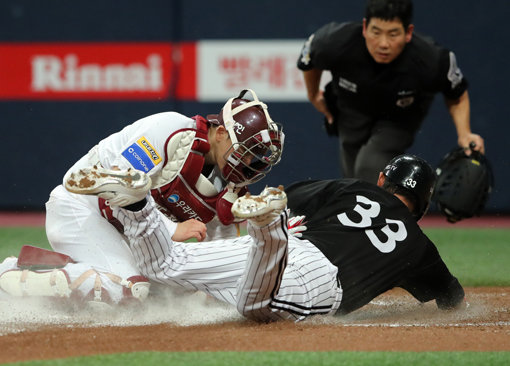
[(367, 214), (410, 182)]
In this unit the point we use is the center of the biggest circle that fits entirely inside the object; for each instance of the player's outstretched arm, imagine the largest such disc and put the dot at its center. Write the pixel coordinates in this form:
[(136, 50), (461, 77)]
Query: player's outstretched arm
[(190, 229)]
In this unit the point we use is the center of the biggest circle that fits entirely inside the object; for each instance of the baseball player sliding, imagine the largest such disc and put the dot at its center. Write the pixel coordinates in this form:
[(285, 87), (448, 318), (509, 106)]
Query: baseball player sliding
[(361, 240), (194, 168)]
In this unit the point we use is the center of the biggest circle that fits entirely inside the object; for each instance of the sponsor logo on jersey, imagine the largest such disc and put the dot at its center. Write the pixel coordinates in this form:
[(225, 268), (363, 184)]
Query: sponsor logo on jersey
[(151, 151), (138, 158), (173, 198), (187, 210)]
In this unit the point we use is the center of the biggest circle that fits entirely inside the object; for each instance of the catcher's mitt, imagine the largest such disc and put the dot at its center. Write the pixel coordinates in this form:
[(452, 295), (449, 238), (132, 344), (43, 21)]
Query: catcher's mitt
[(463, 184)]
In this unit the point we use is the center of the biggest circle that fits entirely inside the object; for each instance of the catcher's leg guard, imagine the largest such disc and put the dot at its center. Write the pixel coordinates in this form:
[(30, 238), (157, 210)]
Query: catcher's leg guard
[(31, 257), (29, 283), (93, 287), (41, 272), (76, 282), (51, 280)]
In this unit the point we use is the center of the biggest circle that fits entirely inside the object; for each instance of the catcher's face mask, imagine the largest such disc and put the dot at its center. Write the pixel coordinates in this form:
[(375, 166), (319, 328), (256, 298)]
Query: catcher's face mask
[(257, 142)]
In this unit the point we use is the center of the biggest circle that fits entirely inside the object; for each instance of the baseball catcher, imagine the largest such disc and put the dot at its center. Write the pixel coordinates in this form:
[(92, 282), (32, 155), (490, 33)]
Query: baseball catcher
[(194, 168)]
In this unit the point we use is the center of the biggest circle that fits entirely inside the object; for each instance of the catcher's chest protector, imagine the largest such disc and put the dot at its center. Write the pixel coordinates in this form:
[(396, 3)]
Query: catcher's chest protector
[(186, 194), (180, 190)]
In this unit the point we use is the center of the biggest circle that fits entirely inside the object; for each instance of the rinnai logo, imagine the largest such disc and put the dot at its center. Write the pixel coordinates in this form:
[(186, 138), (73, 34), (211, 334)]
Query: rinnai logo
[(53, 73), (90, 71)]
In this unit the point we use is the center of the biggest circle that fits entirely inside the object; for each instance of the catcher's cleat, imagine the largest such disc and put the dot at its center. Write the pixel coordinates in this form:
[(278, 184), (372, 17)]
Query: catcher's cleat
[(261, 209), (118, 187)]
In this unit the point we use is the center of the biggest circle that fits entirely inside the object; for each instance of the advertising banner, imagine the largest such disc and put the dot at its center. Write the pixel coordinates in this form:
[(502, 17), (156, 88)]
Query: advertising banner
[(84, 71), (268, 67), (206, 71)]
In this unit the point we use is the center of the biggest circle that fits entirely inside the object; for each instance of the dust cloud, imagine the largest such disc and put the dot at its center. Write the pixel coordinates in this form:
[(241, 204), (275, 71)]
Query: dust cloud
[(183, 309)]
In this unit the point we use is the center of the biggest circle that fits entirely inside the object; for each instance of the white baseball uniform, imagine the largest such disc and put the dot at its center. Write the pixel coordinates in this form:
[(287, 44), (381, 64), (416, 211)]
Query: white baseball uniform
[(266, 275), (75, 225)]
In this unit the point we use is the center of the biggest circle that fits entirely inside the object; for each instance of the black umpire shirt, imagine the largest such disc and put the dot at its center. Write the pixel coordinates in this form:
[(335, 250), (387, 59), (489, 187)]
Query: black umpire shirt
[(399, 91), (375, 242)]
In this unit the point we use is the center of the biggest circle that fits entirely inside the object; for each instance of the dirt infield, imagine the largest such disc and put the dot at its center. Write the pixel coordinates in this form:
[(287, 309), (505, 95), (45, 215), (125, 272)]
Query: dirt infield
[(392, 322)]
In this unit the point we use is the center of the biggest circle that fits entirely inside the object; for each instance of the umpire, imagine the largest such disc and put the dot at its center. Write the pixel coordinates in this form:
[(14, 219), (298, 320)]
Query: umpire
[(384, 79)]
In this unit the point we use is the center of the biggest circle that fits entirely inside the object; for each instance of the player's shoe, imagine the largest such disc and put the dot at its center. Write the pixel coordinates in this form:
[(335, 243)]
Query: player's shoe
[(118, 187), (261, 209)]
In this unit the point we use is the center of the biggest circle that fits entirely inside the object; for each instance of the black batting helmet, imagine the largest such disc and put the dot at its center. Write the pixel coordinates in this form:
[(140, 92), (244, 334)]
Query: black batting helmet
[(415, 176), (463, 185)]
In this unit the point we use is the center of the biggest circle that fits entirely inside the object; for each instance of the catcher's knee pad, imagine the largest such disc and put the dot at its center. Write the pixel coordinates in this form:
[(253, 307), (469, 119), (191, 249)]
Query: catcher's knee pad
[(102, 287), (41, 272), (36, 272), (76, 282), (81, 285)]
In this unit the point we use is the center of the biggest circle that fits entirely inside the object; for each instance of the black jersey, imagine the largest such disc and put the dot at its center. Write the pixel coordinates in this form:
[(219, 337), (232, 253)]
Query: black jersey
[(375, 242), (396, 91)]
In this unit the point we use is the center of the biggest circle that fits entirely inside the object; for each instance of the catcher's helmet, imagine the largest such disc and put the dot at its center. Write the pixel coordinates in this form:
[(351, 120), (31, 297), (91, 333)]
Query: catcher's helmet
[(463, 184), (415, 176), (257, 142)]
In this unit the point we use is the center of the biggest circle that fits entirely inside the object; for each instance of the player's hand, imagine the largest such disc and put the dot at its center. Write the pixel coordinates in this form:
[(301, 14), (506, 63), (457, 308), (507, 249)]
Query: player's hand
[(190, 229), (471, 141), (320, 104)]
